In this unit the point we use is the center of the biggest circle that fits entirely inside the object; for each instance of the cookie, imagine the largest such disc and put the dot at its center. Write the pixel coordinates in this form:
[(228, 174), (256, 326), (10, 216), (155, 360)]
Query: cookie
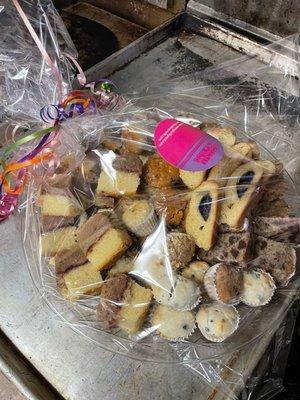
[(202, 214), (192, 179), (241, 193), (225, 135)]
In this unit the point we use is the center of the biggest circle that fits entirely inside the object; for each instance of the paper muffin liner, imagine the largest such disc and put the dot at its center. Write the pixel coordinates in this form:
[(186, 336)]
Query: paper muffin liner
[(252, 304), (147, 227), (210, 286), (160, 334), (214, 338), (188, 307)]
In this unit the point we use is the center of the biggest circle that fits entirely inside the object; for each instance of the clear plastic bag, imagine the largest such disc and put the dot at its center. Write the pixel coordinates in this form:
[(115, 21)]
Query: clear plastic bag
[(161, 264)]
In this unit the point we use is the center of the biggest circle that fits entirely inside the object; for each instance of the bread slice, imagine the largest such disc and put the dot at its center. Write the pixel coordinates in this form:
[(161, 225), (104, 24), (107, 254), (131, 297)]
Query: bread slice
[(241, 193), (58, 241), (202, 214), (235, 156), (231, 248), (82, 280), (279, 259), (192, 179), (59, 205), (111, 246)]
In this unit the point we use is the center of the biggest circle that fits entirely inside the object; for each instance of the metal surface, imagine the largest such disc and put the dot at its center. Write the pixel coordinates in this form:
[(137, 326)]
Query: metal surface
[(275, 16), (74, 366)]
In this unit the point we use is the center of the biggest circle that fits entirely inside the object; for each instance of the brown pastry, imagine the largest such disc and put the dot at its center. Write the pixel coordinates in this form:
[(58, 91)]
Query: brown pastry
[(279, 259), (278, 228), (181, 249), (69, 258), (50, 223), (170, 205), (275, 208), (229, 248), (159, 174), (134, 142)]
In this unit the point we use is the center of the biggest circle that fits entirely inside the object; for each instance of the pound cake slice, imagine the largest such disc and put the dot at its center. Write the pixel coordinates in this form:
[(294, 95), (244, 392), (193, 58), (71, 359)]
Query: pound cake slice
[(123, 304), (120, 175), (230, 248), (202, 214), (82, 280), (59, 204), (58, 241), (241, 194), (279, 259)]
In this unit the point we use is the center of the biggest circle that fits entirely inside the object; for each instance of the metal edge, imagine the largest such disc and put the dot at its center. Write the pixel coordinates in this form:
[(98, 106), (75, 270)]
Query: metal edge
[(124, 56), (23, 375)]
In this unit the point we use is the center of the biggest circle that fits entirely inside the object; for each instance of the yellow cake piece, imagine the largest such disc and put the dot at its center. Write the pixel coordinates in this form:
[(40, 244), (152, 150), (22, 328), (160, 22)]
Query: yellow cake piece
[(82, 280), (122, 266), (59, 205), (136, 304), (111, 246), (192, 179), (59, 240), (118, 183)]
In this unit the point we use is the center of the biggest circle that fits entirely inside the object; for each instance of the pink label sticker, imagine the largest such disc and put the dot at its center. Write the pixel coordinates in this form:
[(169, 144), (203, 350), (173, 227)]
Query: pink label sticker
[(186, 147)]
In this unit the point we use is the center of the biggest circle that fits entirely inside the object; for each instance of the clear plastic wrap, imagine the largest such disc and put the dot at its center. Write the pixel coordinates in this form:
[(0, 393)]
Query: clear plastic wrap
[(158, 263)]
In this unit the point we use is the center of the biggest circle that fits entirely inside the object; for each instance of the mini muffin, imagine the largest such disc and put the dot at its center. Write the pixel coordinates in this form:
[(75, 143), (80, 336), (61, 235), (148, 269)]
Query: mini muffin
[(123, 304), (224, 283), (139, 217), (170, 205), (217, 321), (181, 249), (176, 292), (173, 324), (196, 271), (258, 288), (159, 174)]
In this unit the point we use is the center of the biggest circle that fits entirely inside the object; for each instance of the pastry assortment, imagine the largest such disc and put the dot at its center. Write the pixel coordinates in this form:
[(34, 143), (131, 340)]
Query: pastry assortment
[(223, 237)]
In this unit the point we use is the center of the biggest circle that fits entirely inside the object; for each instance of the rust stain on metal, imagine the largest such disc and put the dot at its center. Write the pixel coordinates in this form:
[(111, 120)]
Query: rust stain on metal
[(125, 31)]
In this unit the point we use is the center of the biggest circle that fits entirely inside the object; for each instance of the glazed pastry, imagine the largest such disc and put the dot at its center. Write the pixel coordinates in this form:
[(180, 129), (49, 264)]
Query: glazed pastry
[(139, 217), (202, 214), (224, 283), (159, 174), (229, 248), (192, 179), (279, 259), (181, 249), (241, 193), (225, 135), (235, 156), (123, 304), (217, 321), (120, 175), (58, 241), (81, 280), (278, 228), (59, 204), (258, 288), (170, 205), (196, 271), (173, 324), (176, 292)]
